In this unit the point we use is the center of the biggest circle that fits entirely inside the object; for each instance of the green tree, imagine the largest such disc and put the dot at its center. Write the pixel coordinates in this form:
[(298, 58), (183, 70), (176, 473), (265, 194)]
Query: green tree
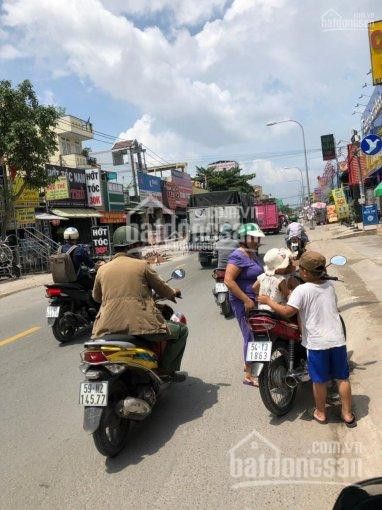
[(224, 180), (27, 141)]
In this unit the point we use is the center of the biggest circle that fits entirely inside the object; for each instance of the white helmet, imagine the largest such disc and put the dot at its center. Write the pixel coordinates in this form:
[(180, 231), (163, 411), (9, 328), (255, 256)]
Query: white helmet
[(71, 233), (276, 258)]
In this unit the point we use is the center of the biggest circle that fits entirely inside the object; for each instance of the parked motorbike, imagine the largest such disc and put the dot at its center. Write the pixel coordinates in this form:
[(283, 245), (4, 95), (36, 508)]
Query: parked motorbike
[(365, 495), (71, 309), (122, 384), (279, 359), (220, 292)]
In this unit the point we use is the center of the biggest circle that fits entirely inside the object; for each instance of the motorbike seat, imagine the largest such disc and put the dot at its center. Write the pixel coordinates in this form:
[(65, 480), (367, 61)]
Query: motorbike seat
[(266, 313), (72, 285)]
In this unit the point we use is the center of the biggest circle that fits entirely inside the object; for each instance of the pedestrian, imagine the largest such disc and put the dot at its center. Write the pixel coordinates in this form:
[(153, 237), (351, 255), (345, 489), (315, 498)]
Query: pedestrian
[(322, 334), (274, 282), (242, 271)]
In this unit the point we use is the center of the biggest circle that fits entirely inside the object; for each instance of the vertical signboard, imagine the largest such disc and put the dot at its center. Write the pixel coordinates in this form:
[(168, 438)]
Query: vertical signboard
[(150, 189), (101, 240), (184, 184), (328, 147), (116, 199), (93, 187), (341, 204), (375, 42)]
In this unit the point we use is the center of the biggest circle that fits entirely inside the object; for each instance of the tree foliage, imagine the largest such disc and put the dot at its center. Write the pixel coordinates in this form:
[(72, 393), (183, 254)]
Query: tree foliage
[(27, 139), (224, 180)]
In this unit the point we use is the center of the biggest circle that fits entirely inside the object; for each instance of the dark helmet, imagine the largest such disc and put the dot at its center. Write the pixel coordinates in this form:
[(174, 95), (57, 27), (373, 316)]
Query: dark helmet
[(125, 236)]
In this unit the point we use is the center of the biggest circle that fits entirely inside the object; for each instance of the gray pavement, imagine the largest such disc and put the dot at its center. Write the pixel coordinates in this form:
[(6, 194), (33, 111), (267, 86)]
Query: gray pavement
[(199, 447)]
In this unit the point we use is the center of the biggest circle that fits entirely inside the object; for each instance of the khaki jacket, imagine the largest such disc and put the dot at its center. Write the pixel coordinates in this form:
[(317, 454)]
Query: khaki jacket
[(123, 287)]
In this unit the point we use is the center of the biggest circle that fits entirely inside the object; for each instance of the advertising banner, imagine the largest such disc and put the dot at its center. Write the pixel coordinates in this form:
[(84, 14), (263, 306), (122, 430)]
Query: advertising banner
[(93, 187), (25, 216), (28, 198), (113, 217), (170, 192), (76, 182), (341, 204), (375, 42), (59, 190), (150, 189), (331, 213), (184, 183), (101, 241), (328, 147)]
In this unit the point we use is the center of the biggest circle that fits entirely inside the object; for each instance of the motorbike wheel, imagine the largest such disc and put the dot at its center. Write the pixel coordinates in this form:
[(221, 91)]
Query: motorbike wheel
[(111, 436), (226, 308), (277, 397), (205, 263), (61, 331)]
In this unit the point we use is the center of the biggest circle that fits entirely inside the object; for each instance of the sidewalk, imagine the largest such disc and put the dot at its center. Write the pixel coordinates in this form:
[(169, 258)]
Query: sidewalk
[(8, 287), (360, 298)]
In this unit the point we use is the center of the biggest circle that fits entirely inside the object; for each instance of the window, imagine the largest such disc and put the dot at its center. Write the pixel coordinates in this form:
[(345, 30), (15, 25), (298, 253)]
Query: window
[(78, 147), (65, 144)]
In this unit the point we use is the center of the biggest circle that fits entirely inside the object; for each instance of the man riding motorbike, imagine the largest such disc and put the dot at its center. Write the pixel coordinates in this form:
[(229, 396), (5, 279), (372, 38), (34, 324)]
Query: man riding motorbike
[(80, 257), (226, 245), (296, 230), (124, 287)]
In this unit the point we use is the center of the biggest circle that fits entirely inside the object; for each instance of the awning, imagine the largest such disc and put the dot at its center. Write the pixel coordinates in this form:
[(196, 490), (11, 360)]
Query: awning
[(69, 212), (48, 217), (378, 190)]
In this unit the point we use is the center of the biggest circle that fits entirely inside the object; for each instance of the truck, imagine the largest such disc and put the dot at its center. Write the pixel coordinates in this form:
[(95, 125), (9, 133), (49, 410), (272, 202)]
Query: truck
[(267, 215), (208, 212)]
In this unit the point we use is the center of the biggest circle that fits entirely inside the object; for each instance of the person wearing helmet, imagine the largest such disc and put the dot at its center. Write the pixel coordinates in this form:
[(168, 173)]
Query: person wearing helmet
[(226, 245), (242, 271), (124, 287), (80, 257)]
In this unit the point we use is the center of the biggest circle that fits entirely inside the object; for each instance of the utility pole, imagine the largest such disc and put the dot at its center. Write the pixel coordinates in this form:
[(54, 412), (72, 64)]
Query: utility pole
[(355, 139), (133, 170)]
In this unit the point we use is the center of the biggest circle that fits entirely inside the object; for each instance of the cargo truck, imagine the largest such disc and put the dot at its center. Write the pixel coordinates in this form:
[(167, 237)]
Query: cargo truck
[(268, 219), (208, 212)]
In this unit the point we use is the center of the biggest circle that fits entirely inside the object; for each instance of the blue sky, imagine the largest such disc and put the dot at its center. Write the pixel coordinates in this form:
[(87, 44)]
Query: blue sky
[(197, 81)]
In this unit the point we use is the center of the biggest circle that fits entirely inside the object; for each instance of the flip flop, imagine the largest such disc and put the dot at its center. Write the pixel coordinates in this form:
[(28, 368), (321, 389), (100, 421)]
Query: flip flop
[(350, 424), (321, 422), (248, 382)]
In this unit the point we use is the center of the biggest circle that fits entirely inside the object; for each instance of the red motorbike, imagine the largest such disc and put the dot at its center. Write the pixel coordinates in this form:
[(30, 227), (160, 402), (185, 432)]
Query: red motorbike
[(277, 356)]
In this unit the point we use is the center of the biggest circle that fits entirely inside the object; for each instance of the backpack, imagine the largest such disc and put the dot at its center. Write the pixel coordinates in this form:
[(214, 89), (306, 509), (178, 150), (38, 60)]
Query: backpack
[(62, 267)]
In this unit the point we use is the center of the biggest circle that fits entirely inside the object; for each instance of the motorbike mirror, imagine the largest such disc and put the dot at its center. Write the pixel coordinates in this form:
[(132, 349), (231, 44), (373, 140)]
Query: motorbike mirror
[(338, 260), (178, 274)]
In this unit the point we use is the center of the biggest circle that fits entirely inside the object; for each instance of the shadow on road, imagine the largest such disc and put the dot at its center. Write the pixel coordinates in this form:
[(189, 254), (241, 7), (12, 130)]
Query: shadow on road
[(355, 304), (183, 403)]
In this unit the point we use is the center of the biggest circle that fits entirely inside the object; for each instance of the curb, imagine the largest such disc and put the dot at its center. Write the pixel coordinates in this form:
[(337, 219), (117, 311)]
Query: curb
[(16, 291)]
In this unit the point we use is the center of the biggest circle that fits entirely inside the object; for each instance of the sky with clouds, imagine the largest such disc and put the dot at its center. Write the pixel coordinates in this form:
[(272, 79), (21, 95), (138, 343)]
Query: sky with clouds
[(198, 80)]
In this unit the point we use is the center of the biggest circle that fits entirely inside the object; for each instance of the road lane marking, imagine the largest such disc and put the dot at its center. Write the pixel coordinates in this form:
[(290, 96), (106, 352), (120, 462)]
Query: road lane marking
[(11, 339)]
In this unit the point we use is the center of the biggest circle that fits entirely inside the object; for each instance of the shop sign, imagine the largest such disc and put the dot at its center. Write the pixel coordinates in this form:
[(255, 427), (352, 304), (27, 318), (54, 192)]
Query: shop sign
[(113, 217), (375, 42), (116, 199), (170, 192), (184, 183), (93, 187), (370, 215), (341, 204), (76, 182), (28, 198), (25, 216), (58, 190), (373, 163), (101, 241), (328, 147), (150, 189)]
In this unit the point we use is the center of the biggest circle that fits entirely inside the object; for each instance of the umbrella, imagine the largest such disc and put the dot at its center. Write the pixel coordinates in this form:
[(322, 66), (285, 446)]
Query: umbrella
[(319, 205), (378, 190)]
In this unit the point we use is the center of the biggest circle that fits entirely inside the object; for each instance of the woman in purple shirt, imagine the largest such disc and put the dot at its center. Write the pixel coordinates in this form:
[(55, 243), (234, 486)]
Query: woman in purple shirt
[(242, 271)]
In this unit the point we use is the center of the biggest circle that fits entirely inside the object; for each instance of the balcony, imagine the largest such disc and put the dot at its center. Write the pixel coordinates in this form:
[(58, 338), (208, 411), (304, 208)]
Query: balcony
[(75, 127), (70, 160)]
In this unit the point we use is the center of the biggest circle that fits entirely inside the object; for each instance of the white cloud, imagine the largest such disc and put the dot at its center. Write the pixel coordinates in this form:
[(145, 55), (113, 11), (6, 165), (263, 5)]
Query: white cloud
[(209, 92), (47, 97), (9, 52)]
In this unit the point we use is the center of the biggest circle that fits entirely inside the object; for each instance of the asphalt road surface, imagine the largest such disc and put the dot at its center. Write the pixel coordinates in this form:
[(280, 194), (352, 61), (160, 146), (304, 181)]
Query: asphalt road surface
[(202, 447)]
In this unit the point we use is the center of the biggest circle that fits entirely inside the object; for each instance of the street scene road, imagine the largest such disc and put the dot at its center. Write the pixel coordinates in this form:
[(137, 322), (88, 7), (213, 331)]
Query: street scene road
[(183, 454)]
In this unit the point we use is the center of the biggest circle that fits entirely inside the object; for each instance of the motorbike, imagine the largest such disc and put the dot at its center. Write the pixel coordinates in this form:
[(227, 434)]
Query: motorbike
[(220, 292), (365, 495), (277, 356), (121, 382), (71, 309)]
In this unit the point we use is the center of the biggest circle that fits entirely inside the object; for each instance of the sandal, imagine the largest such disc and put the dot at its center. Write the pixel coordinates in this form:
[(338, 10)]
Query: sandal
[(250, 382), (312, 415), (350, 424)]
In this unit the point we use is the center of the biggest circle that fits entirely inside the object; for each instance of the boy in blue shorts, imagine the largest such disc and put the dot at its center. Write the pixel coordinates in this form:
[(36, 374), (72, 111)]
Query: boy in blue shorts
[(322, 334)]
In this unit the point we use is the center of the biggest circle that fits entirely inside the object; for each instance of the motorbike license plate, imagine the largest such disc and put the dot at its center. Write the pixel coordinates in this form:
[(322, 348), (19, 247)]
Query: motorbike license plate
[(93, 394), (259, 351), (52, 311), (220, 287)]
